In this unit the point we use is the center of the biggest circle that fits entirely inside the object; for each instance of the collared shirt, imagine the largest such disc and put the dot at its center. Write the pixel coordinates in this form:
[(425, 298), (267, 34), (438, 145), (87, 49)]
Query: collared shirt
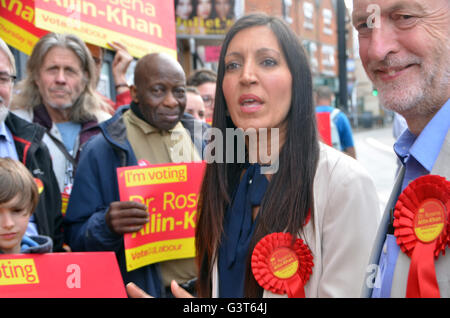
[(418, 154), (7, 147), (157, 146)]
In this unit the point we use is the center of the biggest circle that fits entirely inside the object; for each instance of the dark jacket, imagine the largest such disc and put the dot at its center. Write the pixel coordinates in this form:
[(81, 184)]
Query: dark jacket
[(95, 187), (33, 153)]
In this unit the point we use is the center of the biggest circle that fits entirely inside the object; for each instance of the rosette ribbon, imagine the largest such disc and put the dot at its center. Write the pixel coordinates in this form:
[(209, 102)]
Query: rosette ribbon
[(422, 229), (281, 265)]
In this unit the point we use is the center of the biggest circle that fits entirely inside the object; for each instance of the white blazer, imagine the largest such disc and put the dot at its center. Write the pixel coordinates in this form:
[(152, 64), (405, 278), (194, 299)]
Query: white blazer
[(346, 217)]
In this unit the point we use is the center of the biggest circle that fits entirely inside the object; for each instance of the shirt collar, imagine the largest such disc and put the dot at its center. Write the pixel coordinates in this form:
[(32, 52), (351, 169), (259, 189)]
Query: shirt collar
[(3, 129), (5, 133), (426, 147)]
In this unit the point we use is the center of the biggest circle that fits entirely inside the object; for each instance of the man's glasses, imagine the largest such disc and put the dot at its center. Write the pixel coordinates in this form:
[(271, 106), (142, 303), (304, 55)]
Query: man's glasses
[(6, 79), (208, 100)]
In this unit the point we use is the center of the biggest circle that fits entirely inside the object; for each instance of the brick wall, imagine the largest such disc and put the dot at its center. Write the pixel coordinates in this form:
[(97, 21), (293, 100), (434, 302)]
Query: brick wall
[(272, 7)]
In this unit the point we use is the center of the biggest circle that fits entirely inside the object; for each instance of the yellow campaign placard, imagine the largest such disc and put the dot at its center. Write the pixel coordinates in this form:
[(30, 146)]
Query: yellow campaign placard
[(18, 272), (155, 175), (170, 193), (159, 251), (17, 37)]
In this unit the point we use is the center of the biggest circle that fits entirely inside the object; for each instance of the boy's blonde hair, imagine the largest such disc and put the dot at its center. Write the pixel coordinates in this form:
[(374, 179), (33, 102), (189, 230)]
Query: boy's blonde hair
[(16, 180)]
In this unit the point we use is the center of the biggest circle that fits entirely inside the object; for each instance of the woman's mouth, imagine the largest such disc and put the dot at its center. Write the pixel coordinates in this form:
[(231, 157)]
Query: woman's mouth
[(250, 103)]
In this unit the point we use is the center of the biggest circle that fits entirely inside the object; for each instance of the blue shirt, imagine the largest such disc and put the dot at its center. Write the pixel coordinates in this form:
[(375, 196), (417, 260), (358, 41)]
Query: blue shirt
[(343, 126), (69, 133), (8, 150), (418, 154), (7, 146)]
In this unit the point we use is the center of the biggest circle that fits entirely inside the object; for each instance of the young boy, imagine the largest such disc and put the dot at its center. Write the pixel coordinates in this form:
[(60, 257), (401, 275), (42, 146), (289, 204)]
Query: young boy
[(18, 198)]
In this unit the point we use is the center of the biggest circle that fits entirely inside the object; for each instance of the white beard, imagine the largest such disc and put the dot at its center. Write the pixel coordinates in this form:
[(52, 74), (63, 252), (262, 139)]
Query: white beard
[(4, 110), (421, 93)]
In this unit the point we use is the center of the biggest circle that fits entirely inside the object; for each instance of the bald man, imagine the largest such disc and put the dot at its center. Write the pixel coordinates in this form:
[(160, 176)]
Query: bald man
[(147, 129)]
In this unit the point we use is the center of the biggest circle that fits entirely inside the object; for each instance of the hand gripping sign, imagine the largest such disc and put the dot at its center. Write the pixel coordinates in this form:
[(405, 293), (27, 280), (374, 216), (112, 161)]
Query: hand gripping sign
[(170, 192)]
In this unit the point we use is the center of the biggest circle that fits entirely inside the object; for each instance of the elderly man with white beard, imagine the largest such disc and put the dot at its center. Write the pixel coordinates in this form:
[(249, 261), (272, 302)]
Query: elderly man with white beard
[(22, 141), (404, 47)]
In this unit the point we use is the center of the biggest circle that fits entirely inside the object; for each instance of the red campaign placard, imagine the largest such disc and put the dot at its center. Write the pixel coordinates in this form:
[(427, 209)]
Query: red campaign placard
[(143, 26), (170, 192), (17, 24), (61, 275)]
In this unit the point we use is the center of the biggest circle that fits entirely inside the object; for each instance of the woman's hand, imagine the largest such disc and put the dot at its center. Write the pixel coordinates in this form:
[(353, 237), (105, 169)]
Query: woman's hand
[(135, 292)]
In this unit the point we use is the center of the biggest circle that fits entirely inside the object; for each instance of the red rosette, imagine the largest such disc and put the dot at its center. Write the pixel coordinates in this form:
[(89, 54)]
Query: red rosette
[(422, 229), (281, 265)]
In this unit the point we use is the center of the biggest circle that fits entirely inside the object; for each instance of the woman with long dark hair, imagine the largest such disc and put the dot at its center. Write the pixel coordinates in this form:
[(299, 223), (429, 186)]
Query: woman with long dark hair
[(315, 193), (264, 81)]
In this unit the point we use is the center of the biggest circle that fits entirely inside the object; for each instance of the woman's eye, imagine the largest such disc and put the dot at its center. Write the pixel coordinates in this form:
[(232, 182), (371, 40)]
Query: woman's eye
[(269, 62), (231, 66)]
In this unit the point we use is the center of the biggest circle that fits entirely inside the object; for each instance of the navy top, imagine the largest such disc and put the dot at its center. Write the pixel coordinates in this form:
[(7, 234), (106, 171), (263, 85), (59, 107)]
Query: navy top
[(238, 231)]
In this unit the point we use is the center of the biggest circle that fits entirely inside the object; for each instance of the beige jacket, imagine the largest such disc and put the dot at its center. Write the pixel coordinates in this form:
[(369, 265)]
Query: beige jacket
[(345, 223)]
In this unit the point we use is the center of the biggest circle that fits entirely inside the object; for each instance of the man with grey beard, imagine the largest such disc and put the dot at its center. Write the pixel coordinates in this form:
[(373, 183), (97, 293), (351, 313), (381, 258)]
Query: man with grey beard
[(22, 141), (404, 47)]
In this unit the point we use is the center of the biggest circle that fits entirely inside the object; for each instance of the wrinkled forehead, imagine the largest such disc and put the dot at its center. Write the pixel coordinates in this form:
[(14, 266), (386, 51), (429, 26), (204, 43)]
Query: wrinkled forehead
[(363, 8)]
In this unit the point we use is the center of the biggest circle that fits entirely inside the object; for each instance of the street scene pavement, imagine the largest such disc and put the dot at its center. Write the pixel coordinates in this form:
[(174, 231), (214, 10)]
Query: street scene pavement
[(374, 150)]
